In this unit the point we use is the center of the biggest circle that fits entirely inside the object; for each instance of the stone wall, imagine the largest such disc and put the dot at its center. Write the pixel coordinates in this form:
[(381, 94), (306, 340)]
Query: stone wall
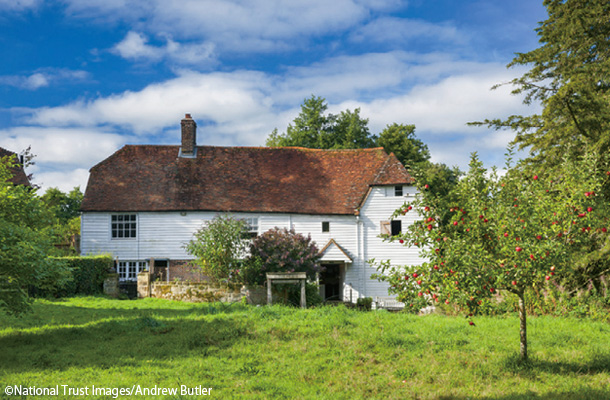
[(198, 291), (194, 292), (111, 285)]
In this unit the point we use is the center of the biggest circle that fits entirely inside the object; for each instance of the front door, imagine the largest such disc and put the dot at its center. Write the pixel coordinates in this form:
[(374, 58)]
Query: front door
[(331, 282)]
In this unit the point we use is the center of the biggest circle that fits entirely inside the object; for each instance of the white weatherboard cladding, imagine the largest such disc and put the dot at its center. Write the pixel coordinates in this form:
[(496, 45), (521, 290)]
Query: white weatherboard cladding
[(163, 235), (378, 207)]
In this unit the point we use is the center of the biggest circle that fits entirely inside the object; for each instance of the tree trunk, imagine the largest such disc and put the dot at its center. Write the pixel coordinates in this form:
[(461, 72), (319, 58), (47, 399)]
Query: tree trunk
[(523, 326)]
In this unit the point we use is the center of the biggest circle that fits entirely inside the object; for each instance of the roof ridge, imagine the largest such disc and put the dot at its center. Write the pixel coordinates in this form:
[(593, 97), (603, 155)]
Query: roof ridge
[(300, 148)]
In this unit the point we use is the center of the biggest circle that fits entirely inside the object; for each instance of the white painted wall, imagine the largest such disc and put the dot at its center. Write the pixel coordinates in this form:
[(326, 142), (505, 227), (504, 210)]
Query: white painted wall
[(164, 234), (379, 206)]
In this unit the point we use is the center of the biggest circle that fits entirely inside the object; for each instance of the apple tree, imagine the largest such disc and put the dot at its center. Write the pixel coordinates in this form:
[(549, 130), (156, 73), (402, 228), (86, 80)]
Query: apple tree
[(504, 232)]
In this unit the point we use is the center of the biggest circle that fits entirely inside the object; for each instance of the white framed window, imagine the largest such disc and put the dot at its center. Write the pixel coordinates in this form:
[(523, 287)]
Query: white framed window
[(398, 191), (252, 226), (123, 226), (129, 270)]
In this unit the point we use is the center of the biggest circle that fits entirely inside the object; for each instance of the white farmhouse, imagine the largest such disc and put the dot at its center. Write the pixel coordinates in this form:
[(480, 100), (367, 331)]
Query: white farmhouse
[(143, 204)]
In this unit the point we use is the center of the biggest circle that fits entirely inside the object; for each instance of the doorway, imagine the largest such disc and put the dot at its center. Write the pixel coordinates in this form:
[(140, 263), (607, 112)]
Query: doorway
[(331, 282)]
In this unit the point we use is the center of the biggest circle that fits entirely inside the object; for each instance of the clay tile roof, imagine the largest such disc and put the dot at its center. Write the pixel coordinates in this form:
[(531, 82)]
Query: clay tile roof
[(246, 179), (19, 177)]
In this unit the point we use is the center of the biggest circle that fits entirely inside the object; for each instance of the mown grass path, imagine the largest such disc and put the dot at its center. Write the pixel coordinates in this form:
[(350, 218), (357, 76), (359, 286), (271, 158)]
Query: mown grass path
[(285, 353)]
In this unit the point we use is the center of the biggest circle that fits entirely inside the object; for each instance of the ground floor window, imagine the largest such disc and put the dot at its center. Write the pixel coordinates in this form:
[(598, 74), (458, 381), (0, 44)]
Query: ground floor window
[(128, 270)]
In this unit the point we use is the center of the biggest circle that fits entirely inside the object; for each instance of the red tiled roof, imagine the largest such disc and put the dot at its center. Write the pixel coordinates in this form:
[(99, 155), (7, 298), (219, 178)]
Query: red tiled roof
[(246, 179), (19, 177)]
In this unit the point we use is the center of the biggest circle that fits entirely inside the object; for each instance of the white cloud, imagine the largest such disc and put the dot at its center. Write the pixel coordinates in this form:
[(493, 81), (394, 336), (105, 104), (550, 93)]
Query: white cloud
[(64, 180), (44, 77), (447, 105), (135, 47), (63, 156), (235, 25), (371, 75), (219, 98), (393, 30), (63, 146)]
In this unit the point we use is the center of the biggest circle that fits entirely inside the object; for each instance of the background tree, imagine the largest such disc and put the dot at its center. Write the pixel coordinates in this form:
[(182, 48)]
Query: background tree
[(400, 139), (25, 242), (315, 129), (570, 78), (219, 246), (281, 250), (504, 233), (66, 225), (65, 206)]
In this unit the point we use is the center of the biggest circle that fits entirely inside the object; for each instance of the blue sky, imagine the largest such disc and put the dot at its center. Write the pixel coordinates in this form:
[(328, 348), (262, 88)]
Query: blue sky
[(79, 79)]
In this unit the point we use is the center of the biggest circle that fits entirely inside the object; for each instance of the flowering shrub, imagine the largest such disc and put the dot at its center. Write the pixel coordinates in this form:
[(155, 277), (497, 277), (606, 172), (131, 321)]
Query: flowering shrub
[(281, 250), (503, 233)]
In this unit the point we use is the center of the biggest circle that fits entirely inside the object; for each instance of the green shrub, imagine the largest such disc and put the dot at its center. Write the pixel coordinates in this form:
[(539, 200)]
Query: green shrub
[(87, 276), (218, 246), (364, 303), (312, 295)]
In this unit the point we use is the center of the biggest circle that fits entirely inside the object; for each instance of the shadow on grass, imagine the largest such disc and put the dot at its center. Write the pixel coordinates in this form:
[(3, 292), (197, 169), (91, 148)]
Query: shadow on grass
[(59, 311), (107, 338), (598, 364)]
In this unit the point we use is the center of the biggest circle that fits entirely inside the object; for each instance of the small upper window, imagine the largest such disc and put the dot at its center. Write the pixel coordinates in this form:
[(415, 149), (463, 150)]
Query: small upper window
[(325, 226), (397, 191), (252, 226), (123, 226), (396, 227)]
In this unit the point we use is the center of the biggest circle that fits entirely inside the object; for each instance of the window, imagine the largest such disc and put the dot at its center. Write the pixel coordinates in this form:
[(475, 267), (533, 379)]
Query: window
[(397, 191), (123, 226), (325, 226), (396, 227), (252, 226), (129, 270)]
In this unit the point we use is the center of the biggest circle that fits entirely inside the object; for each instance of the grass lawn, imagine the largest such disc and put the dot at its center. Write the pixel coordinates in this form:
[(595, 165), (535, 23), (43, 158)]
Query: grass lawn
[(278, 352)]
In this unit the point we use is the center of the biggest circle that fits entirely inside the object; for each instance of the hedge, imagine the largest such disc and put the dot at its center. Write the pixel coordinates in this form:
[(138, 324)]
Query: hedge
[(88, 274)]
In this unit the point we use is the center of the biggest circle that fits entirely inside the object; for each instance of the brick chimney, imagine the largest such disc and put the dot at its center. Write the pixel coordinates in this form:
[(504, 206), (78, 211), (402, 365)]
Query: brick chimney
[(189, 137)]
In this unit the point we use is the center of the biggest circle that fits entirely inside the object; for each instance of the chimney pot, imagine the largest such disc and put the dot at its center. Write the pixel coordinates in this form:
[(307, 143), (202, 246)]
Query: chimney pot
[(187, 116)]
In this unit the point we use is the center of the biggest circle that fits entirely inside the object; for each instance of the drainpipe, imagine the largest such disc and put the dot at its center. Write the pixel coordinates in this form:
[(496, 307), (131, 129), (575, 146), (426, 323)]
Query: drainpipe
[(360, 240)]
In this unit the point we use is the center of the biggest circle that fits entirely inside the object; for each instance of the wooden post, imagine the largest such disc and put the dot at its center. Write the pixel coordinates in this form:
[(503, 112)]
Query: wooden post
[(303, 299), (269, 291)]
